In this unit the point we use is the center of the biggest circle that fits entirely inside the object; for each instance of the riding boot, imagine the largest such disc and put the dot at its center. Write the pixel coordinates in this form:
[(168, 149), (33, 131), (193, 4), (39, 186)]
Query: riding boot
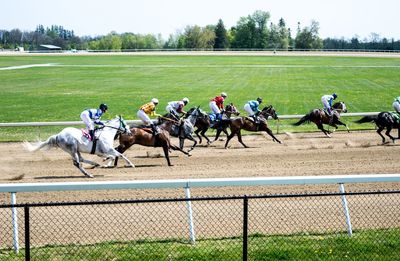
[(154, 129), (91, 135), (255, 118)]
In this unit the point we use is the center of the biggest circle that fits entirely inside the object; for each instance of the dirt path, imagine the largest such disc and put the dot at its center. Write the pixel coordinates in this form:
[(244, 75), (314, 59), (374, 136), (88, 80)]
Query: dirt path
[(300, 154)]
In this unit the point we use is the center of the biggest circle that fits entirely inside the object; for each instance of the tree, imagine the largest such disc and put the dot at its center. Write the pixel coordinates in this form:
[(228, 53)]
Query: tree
[(252, 31), (221, 37), (308, 38), (196, 37)]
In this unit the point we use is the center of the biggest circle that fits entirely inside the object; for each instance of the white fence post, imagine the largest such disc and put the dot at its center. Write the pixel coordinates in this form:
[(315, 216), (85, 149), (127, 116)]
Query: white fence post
[(192, 235), (346, 210), (14, 216)]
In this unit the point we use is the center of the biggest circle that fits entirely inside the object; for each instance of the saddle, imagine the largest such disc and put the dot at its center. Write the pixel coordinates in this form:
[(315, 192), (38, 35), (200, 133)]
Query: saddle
[(85, 133)]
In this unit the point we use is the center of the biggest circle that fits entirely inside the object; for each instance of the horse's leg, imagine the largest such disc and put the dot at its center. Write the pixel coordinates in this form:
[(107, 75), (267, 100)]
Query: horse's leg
[(230, 136), (90, 162), (344, 124), (217, 134), (379, 130), (388, 129), (190, 137), (268, 130), (76, 160), (181, 142), (179, 149), (113, 152), (321, 127), (121, 149), (239, 135), (198, 135), (203, 133), (166, 154)]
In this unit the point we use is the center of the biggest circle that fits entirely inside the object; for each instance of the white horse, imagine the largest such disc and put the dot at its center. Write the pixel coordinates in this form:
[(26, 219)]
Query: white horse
[(72, 141)]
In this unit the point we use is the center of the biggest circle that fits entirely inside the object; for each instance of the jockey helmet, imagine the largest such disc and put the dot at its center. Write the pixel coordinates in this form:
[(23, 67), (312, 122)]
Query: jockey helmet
[(259, 100), (334, 95), (155, 101), (185, 100), (103, 107), (223, 94)]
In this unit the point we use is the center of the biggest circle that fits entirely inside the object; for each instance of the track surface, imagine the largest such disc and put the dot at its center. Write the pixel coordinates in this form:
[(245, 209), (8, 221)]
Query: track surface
[(300, 155)]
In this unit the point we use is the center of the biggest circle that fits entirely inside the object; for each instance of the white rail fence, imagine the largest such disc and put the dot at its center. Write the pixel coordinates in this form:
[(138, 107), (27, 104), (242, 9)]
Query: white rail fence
[(186, 184), (71, 123)]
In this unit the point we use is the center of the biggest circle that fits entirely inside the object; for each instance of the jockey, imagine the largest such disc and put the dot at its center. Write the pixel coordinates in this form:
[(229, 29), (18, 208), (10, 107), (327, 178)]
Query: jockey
[(327, 102), (93, 114), (146, 110), (251, 107), (396, 104), (176, 107), (217, 105)]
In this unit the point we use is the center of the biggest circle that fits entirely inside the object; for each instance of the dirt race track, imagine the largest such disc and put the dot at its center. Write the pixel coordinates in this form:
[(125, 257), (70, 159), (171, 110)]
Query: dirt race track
[(299, 155)]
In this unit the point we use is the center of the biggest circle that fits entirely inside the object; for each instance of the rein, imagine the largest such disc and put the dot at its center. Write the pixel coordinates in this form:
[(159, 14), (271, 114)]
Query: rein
[(169, 119)]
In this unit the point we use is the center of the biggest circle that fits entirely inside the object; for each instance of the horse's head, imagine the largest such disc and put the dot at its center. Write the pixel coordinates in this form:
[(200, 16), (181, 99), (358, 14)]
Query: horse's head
[(231, 109), (119, 124), (339, 107), (269, 111), (193, 114)]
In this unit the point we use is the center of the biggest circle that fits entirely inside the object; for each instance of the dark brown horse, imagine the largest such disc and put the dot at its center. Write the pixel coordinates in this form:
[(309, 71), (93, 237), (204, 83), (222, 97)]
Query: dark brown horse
[(320, 117), (203, 123), (247, 123), (144, 137), (383, 120)]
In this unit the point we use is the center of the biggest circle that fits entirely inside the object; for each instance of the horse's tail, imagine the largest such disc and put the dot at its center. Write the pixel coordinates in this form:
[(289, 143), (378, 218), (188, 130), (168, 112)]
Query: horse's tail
[(49, 143), (305, 118), (369, 118)]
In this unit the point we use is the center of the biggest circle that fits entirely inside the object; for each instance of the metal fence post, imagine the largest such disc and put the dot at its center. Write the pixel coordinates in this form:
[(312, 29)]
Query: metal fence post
[(14, 217), (346, 210), (192, 235), (27, 235), (245, 227)]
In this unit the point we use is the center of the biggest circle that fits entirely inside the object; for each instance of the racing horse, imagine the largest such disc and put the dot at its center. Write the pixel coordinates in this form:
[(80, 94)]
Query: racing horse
[(247, 123), (144, 137), (320, 117), (72, 141), (181, 128), (383, 120), (203, 123)]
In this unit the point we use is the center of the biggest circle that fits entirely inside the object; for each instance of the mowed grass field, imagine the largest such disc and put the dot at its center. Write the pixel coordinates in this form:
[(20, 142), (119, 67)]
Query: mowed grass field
[(293, 85)]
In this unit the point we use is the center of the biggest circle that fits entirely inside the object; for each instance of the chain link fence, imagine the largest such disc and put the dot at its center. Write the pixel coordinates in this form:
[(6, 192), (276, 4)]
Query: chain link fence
[(267, 227)]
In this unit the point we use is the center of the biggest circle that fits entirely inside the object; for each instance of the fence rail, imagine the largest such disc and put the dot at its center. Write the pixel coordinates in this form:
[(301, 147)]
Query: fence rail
[(271, 227), (71, 123), (186, 184)]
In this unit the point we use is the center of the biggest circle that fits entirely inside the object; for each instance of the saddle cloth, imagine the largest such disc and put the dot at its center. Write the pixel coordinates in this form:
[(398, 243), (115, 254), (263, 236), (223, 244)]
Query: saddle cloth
[(85, 133)]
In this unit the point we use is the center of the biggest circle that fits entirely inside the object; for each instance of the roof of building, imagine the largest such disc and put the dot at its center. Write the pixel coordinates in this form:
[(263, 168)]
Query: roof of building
[(50, 46)]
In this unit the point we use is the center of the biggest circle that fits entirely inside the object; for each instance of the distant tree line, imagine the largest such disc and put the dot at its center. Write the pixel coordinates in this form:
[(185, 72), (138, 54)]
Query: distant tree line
[(254, 31)]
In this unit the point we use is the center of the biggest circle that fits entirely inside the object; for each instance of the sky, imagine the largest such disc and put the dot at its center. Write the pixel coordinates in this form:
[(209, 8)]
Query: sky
[(337, 19)]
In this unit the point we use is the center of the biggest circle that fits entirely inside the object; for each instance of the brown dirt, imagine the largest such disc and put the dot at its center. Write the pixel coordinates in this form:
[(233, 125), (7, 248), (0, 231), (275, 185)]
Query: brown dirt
[(301, 154)]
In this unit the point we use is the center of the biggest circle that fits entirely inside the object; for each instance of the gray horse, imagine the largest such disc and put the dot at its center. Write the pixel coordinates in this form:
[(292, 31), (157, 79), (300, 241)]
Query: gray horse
[(72, 141), (182, 128)]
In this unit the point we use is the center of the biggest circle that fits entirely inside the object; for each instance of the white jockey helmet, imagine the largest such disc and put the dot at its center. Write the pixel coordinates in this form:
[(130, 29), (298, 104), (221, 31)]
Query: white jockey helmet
[(154, 100), (223, 94), (185, 100)]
